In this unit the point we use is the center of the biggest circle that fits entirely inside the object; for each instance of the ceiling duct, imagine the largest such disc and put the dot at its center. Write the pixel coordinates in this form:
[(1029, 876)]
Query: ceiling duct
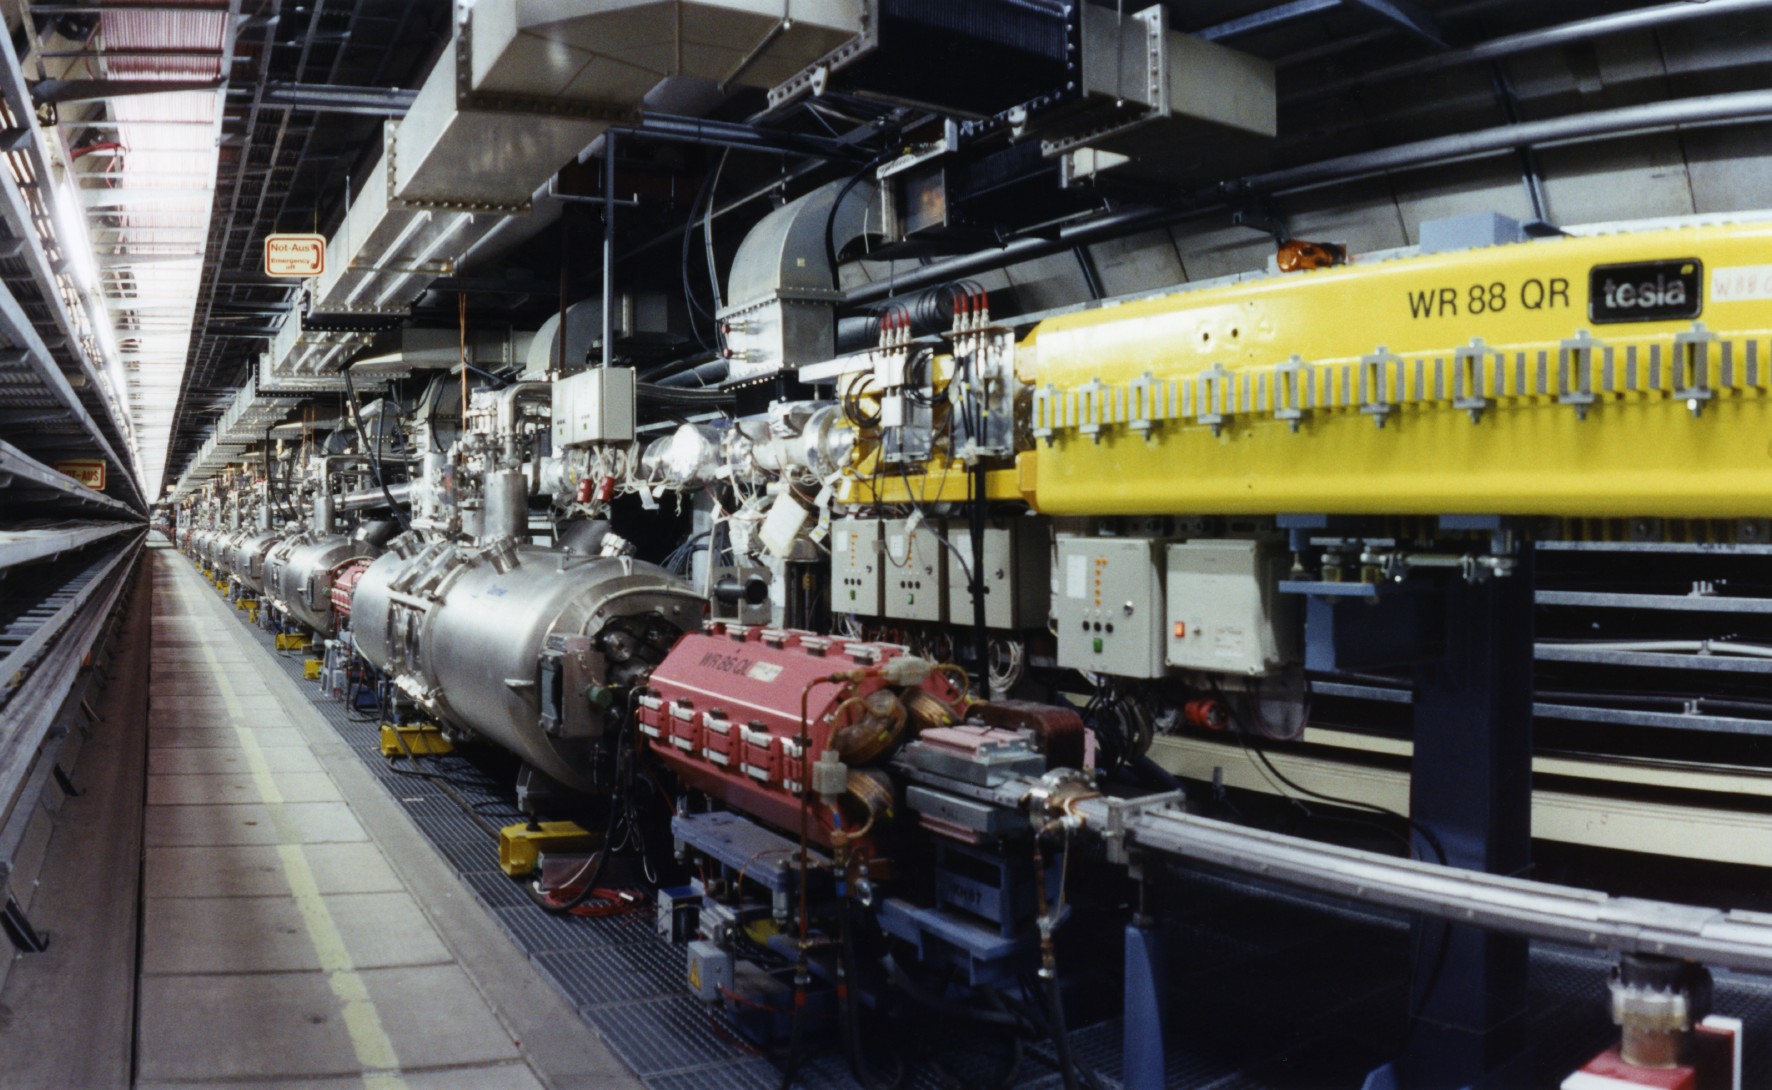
[(1161, 105), (522, 89), (302, 358), (977, 57), (782, 289), (410, 349), (645, 326)]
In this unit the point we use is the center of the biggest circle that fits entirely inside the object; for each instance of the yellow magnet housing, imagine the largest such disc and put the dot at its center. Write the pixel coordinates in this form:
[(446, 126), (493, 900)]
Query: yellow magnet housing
[(1538, 378)]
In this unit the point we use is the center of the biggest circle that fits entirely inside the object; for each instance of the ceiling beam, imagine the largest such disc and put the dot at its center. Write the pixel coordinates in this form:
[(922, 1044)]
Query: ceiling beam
[(63, 92), (322, 98)]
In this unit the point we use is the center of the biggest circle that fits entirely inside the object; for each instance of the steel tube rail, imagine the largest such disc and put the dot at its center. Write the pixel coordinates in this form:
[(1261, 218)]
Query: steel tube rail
[(1518, 906)]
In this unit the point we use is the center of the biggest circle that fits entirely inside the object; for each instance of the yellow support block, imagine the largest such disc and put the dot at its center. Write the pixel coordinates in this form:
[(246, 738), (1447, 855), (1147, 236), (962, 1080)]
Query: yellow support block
[(410, 739), (291, 641), (310, 669), (519, 846)]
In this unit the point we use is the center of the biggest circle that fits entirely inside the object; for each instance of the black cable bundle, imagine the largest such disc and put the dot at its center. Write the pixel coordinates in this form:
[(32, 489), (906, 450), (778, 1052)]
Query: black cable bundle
[(373, 449)]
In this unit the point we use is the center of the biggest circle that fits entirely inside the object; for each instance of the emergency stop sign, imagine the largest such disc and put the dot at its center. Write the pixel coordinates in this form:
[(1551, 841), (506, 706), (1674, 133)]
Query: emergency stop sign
[(298, 256)]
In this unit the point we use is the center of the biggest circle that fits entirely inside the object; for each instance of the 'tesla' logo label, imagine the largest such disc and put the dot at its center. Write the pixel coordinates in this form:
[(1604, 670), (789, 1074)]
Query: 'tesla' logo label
[(1646, 291)]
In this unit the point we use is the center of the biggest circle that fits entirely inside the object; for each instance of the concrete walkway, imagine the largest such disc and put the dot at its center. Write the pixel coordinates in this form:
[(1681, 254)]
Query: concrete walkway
[(296, 928)]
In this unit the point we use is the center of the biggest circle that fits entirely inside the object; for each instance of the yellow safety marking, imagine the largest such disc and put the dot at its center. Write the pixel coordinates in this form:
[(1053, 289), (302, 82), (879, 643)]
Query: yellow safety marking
[(362, 1021)]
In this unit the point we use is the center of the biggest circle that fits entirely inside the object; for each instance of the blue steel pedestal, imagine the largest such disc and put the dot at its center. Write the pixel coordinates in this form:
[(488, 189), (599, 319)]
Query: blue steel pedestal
[(1468, 636), (1471, 795), (1146, 1000)]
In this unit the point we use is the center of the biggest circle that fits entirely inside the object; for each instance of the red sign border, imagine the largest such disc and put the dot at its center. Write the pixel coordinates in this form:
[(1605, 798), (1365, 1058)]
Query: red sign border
[(294, 276)]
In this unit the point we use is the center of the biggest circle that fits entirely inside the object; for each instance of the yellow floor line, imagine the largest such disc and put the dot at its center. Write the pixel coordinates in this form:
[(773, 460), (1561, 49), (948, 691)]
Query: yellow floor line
[(375, 1051)]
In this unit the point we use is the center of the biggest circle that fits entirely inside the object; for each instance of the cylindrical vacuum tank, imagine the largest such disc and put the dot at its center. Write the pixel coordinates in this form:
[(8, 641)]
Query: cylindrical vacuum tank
[(230, 553), (250, 558), (298, 576), (475, 658)]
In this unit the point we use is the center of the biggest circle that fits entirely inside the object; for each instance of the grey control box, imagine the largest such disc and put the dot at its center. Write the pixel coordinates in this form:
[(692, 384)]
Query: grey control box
[(594, 406), (1226, 614), (857, 564), (915, 564), (1109, 608), (1016, 573)]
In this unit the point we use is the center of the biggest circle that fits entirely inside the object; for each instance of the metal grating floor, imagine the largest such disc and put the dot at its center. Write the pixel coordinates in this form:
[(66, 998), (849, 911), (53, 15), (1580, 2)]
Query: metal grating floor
[(1247, 1012)]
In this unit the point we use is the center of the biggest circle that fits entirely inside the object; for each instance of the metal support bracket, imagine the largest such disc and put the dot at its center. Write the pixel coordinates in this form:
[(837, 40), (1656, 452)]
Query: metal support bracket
[(18, 928), (1121, 812), (63, 781)]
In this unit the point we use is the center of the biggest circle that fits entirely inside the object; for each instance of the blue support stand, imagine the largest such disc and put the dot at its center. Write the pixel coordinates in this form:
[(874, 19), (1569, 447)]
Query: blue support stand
[(1469, 643), (1471, 790), (1145, 1002)]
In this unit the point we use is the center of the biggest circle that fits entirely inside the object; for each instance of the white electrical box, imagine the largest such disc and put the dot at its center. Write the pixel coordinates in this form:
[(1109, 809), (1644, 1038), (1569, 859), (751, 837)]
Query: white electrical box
[(915, 564), (856, 566), (1109, 608), (1226, 614), (1017, 573), (594, 406)]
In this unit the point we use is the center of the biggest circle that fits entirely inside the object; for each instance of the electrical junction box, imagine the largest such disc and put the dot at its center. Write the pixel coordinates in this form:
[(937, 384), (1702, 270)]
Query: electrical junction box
[(1226, 614), (915, 564), (1017, 573), (1109, 608), (710, 970), (857, 563), (679, 909), (594, 406)]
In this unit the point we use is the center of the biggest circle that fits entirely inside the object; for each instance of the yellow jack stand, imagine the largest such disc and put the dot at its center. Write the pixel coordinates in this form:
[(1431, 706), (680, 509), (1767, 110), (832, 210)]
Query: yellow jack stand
[(291, 641), (519, 846), (252, 612), (416, 739), (246, 604), (310, 669)]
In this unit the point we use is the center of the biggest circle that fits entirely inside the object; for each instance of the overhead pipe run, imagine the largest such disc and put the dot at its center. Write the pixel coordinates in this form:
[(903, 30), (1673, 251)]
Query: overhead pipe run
[(1742, 106), (1704, 110), (1509, 45)]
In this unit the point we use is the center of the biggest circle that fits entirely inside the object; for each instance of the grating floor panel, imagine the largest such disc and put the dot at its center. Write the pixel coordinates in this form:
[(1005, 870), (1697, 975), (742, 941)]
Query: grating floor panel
[(620, 972), (661, 1036), (1270, 989), (538, 932), (495, 889)]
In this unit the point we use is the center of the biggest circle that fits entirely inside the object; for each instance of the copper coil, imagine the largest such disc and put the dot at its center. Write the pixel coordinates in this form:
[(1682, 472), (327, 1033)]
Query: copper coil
[(873, 791), (928, 710), (877, 727)]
